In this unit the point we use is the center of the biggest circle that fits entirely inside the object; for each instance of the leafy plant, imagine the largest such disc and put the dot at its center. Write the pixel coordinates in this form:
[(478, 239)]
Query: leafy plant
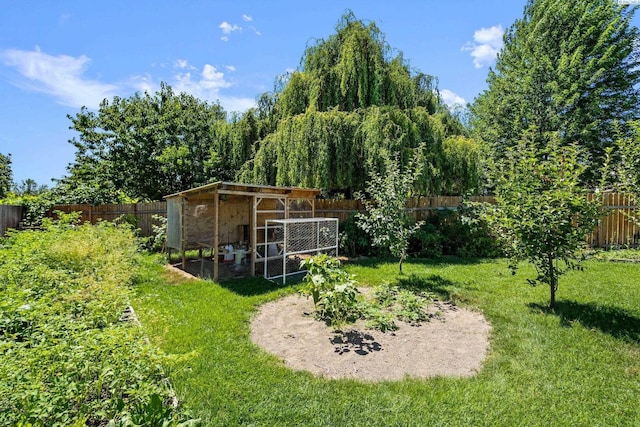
[(66, 355), (410, 307), (323, 274), (386, 219), (332, 289), (542, 212)]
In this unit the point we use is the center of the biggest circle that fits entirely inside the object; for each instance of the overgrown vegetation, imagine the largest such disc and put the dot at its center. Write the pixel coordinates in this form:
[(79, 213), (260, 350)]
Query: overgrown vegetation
[(444, 232), (67, 356)]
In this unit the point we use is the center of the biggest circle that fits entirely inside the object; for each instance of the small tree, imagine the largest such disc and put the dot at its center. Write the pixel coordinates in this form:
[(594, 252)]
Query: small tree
[(542, 213), (386, 219)]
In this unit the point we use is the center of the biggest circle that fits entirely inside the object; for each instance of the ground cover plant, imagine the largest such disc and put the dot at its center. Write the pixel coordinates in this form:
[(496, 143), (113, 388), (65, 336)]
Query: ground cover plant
[(338, 301), (66, 356), (578, 365)]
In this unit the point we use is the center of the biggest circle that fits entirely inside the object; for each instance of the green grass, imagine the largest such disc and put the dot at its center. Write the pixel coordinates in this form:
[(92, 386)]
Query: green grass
[(579, 366)]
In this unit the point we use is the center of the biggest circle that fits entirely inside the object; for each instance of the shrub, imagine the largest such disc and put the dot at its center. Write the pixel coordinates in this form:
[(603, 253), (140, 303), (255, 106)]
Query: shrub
[(66, 357), (457, 232)]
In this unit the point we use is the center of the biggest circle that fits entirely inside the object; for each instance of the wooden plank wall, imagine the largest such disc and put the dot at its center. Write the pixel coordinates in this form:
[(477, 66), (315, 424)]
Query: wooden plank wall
[(141, 213), (10, 217), (616, 228)]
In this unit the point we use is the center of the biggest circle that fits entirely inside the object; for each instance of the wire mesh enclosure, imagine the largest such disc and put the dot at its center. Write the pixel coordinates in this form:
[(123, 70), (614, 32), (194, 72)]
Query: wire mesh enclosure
[(289, 241)]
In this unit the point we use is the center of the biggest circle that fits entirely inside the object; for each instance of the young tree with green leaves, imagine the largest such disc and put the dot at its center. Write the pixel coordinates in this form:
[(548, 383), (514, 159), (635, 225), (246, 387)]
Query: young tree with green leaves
[(542, 212), (567, 66), (6, 175), (386, 219)]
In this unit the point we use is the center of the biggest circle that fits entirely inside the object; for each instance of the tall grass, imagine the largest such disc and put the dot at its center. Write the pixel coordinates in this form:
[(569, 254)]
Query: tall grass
[(66, 358), (577, 366)]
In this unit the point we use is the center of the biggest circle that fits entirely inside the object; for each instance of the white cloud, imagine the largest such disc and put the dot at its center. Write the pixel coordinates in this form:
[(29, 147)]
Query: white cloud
[(230, 67), (452, 99), (205, 85), (247, 18), (183, 64), (486, 45), (227, 29), (61, 76)]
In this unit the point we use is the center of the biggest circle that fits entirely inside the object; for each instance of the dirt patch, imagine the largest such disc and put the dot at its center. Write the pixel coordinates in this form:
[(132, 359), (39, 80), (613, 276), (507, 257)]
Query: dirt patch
[(454, 343)]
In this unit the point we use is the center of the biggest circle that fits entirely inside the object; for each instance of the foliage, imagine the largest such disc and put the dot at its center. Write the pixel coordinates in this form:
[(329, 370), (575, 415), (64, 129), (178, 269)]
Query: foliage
[(338, 301), (461, 232), (386, 219), (29, 187), (350, 107), (332, 289), (542, 213), (147, 146), (353, 241), (66, 355), (570, 67), (35, 206), (158, 239), (6, 175)]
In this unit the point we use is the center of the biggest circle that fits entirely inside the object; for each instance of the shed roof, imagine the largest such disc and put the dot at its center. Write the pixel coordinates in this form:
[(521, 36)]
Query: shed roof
[(222, 187)]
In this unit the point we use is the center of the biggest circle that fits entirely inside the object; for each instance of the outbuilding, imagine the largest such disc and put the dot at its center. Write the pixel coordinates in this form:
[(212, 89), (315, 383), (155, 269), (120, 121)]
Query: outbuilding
[(239, 224)]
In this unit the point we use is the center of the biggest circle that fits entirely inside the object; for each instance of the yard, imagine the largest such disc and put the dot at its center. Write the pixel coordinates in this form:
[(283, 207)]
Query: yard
[(577, 366)]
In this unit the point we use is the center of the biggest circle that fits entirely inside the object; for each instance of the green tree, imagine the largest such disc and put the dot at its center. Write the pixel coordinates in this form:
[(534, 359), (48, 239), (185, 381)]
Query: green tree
[(351, 105), (6, 175), (542, 213), (386, 219), (147, 146), (29, 187), (568, 66)]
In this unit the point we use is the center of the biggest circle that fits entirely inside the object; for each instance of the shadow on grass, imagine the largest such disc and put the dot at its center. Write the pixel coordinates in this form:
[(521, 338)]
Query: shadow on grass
[(431, 283), (252, 286), (444, 260), (614, 321)]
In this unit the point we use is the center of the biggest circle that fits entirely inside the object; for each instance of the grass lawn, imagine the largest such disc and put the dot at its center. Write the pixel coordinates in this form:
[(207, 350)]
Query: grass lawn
[(579, 366)]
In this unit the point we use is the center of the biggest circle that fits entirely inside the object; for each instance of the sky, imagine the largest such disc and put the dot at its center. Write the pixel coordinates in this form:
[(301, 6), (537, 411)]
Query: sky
[(58, 56)]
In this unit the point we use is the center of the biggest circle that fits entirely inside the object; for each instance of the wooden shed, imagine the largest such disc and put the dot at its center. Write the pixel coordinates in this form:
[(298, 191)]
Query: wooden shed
[(229, 219)]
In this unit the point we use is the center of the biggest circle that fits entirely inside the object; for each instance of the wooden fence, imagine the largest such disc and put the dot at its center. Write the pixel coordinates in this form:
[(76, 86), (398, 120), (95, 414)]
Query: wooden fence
[(141, 214), (10, 217), (617, 228)]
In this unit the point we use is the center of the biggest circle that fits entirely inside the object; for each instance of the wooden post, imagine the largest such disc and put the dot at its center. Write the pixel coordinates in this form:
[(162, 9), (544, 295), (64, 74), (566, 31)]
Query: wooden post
[(183, 234), (253, 236), (216, 229)]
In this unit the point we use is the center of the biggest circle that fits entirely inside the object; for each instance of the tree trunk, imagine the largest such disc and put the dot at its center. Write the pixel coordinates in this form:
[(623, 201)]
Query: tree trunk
[(402, 257), (552, 282)]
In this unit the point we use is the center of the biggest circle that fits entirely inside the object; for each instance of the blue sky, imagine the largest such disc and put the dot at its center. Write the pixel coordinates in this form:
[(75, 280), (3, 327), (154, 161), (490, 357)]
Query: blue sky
[(57, 56)]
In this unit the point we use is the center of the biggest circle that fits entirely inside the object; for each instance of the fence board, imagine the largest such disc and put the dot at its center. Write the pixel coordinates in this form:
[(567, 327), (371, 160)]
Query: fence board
[(10, 217)]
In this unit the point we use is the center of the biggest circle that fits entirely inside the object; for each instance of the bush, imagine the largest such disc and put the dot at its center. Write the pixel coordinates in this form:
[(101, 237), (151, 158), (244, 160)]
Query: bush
[(66, 357), (454, 232), (353, 240)]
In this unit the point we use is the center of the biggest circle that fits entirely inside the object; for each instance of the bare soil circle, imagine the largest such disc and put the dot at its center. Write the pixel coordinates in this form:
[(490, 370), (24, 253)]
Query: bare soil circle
[(453, 343)]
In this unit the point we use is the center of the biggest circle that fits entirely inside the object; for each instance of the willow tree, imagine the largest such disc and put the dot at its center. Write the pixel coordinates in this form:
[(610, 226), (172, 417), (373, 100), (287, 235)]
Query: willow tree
[(351, 106), (568, 67)]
